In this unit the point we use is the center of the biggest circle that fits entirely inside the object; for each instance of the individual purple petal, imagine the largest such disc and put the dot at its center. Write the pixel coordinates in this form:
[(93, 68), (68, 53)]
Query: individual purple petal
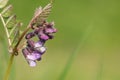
[(44, 37), (29, 35), (41, 49), (25, 52), (32, 63), (38, 44), (49, 30), (30, 49), (30, 43), (55, 30), (33, 56)]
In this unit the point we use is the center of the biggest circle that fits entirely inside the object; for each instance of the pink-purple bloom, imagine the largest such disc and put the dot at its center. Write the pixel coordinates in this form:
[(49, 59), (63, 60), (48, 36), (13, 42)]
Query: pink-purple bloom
[(35, 49)]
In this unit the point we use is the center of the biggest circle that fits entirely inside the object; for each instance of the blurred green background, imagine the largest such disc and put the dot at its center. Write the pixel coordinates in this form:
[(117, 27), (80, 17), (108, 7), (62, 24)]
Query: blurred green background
[(86, 46)]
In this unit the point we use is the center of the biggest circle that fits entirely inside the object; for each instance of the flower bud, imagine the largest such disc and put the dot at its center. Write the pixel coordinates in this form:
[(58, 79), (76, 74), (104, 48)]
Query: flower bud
[(41, 49), (25, 52), (31, 63), (30, 43), (42, 36), (38, 44), (34, 56), (29, 35)]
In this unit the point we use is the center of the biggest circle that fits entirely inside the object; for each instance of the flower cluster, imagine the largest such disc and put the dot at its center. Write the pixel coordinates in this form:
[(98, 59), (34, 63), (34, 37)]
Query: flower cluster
[(35, 49)]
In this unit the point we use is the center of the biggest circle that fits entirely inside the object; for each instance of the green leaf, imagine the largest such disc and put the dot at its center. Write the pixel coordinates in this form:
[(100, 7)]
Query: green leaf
[(7, 11), (11, 22), (15, 33), (17, 25), (3, 3), (41, 14), (16, 36)]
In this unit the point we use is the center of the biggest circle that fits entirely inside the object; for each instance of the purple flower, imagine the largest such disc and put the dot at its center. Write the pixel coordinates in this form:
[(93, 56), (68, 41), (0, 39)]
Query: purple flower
[(38, 44), (32, 63), (35, 49), (29, 35), (41, 49), (33, 56), (25, 52), (30, 43), (43, 36), (50, 28)]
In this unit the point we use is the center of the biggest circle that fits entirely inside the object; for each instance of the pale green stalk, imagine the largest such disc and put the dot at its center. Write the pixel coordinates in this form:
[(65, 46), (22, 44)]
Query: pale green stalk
[(100, 68), (15, 48), (9, 67), (9, 42), (6, 30), (74, 54)]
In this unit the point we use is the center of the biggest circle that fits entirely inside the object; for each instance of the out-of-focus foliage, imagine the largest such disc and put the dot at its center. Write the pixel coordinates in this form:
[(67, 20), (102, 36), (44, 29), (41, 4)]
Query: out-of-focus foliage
[(3, 3), (98, 57)]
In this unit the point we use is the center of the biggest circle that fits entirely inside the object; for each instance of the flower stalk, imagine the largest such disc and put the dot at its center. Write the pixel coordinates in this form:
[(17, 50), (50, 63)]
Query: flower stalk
[(12, 56), (40, 28), (15, 48), (6, 77)]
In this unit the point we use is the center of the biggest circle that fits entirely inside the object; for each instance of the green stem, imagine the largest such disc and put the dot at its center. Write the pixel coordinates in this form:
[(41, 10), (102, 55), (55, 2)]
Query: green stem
[(12, 56), (9, 67), (15, 50), (14, 53)]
